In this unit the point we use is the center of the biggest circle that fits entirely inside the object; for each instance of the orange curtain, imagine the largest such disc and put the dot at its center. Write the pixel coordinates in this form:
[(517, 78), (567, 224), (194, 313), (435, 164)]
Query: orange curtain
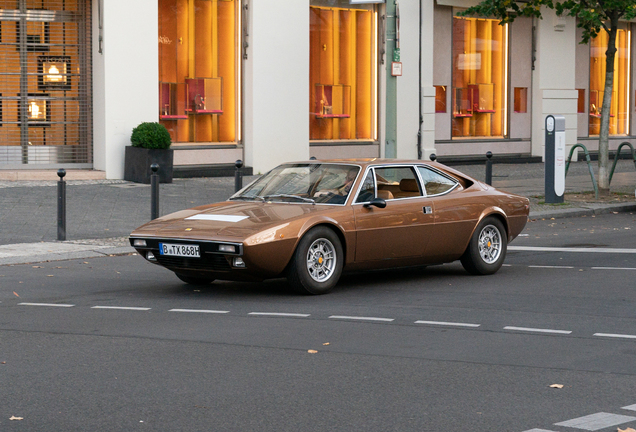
[(198, 39), (619, 109), (479, 57), (341, 74)]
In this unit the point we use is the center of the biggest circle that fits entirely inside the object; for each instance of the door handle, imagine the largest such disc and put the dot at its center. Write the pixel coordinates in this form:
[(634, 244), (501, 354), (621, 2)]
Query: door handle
[(427, 210)]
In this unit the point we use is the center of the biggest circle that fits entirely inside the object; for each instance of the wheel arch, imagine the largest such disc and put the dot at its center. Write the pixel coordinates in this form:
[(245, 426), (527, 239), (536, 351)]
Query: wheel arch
[(332, 225), (497, 213)]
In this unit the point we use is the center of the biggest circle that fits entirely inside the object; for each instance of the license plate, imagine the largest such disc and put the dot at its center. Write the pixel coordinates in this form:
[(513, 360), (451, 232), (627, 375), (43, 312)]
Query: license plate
[(180, 250)]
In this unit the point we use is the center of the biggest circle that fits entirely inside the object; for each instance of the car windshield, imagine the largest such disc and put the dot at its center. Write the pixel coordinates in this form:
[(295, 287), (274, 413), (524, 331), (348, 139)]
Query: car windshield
[(303, 183)]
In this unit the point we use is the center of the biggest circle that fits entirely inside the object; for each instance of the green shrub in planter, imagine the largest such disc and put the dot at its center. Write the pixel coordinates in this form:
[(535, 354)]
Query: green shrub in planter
[(150, 144), (151, 135)]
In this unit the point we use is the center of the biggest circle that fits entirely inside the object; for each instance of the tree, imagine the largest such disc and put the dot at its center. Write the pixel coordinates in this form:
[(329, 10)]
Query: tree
[(593, 16)]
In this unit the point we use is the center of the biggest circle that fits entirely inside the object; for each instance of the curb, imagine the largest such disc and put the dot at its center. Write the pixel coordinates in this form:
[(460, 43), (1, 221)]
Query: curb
[(583, 211), (49, 251)]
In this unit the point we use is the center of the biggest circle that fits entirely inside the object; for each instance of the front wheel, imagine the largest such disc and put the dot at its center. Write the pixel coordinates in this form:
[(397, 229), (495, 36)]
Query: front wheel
[(194, 280), (487, 248), (317, 262)]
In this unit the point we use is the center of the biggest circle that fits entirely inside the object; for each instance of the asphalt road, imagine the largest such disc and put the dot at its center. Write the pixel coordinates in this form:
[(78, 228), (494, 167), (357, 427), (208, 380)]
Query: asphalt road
[(419, 349)]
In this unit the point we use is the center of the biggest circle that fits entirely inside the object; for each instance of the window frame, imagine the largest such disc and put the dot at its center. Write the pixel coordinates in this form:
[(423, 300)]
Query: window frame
[(418, 179), (443, 174)]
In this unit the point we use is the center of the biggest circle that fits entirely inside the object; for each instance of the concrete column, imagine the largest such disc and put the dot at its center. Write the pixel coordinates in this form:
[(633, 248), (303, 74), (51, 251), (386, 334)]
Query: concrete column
[(125, 77), (276, 83), (554, 78), (408, 85), (427, 128)]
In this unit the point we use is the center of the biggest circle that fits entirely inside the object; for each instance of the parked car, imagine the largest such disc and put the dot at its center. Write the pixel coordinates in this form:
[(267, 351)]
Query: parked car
[(311, 220)]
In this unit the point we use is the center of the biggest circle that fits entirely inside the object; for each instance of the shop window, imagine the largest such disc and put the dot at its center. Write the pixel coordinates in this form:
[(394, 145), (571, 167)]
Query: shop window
[(38, 110), (198, 70), (619, 121), (342, 71), (440, 99), (521, 99), (480, 58), (581, 101)]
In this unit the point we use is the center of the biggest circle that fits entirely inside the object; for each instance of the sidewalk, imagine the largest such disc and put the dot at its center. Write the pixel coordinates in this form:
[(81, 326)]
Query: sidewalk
[(102, 213)]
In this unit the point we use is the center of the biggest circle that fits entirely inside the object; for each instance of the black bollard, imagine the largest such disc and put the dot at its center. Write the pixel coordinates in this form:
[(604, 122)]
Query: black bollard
[(433, 157), (154, 192), (489, 168), (61, 205), (238, 176)]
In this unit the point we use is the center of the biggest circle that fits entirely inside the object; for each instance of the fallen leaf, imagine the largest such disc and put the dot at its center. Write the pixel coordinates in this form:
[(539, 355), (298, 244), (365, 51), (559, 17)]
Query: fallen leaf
[(326, 343), (16, 294), (16, 418), (312, 351), (626, 430), (37, 267), (559, 386), (49, 275)]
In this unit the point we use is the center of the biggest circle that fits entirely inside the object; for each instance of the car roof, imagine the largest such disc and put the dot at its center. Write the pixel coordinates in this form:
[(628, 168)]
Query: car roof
[(369, 161)]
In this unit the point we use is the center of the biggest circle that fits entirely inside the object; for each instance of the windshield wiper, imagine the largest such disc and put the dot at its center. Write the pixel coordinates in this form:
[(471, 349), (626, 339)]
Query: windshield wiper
[(247, 198), (266, 197)]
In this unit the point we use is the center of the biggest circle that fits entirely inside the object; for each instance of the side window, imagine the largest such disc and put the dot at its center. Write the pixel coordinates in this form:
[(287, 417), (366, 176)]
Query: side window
[(435, 183), (367, 191), (397, 182)]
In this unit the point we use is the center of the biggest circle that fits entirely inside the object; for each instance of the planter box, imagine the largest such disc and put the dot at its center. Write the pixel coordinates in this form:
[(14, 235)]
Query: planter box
[(138, 160)]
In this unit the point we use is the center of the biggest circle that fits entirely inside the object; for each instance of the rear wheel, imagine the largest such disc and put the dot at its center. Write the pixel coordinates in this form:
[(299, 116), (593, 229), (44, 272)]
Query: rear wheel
[(317, 262), (487, 248), (195, 280)]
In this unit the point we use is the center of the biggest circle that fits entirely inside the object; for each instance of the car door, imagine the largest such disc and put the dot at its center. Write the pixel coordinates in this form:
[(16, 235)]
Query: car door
[(454, 215), (402, 229)]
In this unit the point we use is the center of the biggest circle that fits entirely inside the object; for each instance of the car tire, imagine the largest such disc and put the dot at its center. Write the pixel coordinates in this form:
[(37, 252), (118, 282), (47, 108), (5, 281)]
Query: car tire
[(194, 280), (317, 262), (487, 248)]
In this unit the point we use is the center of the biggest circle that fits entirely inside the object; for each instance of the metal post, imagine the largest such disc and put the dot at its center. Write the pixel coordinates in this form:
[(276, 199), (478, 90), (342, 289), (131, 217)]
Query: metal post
[(238, 176), (554, 159), (154, 192), (433, 157), (61, 206), (489, 168)]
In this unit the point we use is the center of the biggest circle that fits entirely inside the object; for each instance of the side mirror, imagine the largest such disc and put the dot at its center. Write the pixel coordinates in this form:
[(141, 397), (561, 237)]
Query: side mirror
[(376, 202)]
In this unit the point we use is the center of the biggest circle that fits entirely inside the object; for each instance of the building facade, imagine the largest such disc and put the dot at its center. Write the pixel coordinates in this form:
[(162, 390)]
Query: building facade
[(268, 81)]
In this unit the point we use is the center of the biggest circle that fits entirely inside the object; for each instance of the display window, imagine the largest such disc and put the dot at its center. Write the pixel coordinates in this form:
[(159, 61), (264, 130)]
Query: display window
[(45, 84), (199, 67), (480, 78), (342, 71), (619, 110)]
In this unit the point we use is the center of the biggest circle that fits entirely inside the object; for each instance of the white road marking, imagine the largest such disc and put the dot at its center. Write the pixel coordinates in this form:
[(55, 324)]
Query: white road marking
[(539, 430), (630, 407), (448, 323), (613, 268), (281, 314), (596, 421), (360, 318), (550, 267), (46, 304), (199, 311), (537, 330), (571, 249), (624, 336), (121, 308)]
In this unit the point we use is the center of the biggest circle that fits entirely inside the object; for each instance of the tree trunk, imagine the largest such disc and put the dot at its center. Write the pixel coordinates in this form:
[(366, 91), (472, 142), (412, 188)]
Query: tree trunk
[(603, 142)]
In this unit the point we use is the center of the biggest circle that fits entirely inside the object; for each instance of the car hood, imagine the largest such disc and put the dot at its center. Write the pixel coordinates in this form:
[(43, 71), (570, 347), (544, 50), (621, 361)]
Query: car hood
[(231, 219)]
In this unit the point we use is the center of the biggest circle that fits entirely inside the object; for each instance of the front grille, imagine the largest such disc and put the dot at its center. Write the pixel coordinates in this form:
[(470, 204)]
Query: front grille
[(211, 262)]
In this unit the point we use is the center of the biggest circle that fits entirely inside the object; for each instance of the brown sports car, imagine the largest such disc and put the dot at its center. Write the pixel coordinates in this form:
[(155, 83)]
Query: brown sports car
[(311, 220)]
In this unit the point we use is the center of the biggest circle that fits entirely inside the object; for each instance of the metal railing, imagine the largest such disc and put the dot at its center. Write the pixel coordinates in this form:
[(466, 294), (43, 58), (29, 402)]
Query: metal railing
[(589, 165), (618, 153)]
